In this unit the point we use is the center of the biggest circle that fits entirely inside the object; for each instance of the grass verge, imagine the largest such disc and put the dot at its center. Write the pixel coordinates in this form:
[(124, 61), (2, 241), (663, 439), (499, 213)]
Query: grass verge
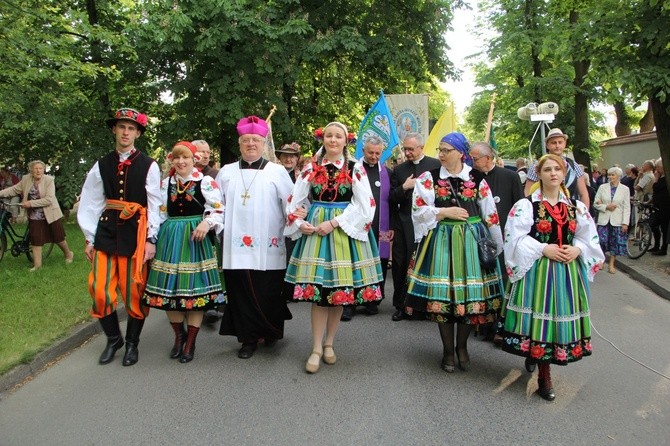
[(38, 308)]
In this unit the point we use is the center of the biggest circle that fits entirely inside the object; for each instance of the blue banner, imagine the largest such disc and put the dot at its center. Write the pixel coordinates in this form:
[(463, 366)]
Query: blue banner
[(378, 122)]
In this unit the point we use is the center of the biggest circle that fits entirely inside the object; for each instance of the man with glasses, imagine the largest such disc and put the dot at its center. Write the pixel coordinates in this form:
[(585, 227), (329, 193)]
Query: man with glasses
[(402, 186), (504, 183), (255, 193)]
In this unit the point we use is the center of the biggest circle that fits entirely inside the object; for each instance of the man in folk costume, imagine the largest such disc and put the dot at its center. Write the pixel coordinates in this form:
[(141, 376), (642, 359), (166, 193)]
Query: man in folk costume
[(402, 185), (379, 177), (255, 193), (118, 214)]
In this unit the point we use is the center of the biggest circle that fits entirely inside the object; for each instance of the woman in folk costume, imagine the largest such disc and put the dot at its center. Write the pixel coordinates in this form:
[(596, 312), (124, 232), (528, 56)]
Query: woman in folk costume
[(335, 261), (552, 252), (184, 278), (452, 208)]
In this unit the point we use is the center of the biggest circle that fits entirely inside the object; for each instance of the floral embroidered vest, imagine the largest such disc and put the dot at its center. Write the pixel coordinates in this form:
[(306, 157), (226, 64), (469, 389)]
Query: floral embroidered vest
[(545, 228), (190, 202), (453, 191), (330, 184)]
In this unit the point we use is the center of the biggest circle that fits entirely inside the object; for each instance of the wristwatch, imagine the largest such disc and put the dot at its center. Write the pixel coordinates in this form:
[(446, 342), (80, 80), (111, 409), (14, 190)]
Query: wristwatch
[(152, 240)]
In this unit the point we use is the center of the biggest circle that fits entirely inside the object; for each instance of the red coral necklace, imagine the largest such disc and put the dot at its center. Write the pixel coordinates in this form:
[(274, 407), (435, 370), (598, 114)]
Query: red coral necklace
[(559, 213)]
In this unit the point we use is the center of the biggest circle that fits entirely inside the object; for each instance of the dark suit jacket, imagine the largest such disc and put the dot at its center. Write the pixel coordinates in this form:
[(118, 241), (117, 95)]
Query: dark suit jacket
[(401, 200)]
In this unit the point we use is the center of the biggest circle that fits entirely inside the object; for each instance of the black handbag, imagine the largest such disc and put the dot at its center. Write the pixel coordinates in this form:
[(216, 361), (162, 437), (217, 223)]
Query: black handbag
[(487, 249)]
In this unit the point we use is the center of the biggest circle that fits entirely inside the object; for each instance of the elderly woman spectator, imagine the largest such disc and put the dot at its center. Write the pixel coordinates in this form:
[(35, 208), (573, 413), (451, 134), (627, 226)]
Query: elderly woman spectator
[(613, 204), (45, 219)]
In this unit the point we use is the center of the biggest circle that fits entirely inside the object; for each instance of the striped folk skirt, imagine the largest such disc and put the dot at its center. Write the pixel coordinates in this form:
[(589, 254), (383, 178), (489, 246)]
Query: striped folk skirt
[(446, 280), (546, 314), (184, 274), (334, 269)]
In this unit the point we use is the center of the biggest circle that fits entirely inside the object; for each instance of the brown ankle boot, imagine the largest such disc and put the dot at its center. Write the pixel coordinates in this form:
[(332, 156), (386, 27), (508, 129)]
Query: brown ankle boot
[(179, 339), (546, 388), (189, 346)]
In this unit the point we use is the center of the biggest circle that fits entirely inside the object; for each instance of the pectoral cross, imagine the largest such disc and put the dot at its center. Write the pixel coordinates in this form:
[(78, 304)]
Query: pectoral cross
[(244, 197)]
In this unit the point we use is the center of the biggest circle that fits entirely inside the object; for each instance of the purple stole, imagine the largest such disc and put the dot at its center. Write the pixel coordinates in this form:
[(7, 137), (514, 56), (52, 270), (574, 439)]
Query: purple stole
[(384, 213)]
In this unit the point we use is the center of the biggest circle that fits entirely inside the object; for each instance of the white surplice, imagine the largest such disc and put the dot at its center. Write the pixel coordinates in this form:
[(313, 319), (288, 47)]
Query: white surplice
[(253, 234)]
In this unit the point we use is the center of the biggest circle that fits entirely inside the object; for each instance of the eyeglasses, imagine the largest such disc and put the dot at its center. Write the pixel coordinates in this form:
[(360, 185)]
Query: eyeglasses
[(477, 158), (409, 149), (445, 150), (252, 139)]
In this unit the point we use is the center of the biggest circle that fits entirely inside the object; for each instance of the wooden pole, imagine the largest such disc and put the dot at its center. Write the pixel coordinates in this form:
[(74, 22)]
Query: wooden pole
[(489, 120), (269, 143)]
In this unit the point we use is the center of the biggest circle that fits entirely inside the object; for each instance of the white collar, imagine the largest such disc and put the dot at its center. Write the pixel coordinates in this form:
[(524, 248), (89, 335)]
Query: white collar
[(125, 155), (537, 196), (416, 162), (464, 174), (337, 163), (195, 175)]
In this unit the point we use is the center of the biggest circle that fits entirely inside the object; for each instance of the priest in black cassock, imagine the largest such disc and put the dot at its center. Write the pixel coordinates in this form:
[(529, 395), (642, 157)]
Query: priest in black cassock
[(379, 177), (255, 193), (506, 189), (402, 186)]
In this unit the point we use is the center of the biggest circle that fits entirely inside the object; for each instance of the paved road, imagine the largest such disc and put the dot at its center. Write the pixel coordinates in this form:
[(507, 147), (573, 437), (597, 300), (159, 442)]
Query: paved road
[(386, 388)]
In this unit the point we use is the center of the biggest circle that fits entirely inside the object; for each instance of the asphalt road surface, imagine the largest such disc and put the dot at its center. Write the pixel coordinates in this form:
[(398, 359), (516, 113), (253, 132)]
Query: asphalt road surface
[(386, 389)]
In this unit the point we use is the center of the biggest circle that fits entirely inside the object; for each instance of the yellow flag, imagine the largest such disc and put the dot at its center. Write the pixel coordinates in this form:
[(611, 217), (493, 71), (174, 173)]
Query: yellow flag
[(446, 124)]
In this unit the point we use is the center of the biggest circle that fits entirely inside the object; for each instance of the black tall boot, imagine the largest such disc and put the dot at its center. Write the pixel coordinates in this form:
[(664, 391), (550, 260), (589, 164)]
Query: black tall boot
[(545, 387), (189, 347), (133, 331), (462, 333), (447, 335), (179, 339), (110, 325)]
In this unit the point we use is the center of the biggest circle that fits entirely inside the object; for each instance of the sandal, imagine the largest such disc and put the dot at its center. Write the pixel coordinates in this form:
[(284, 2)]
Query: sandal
[(311, 367), (329, 356)]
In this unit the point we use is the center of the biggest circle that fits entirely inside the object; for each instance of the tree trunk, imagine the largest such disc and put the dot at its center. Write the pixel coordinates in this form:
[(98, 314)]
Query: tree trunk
[(662, 121), (647, 121), (581, 141), (96, 57), (622, 126), (530, 19)]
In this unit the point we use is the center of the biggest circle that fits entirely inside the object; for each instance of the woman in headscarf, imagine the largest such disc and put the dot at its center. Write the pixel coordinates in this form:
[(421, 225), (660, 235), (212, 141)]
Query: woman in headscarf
[(452, 209)]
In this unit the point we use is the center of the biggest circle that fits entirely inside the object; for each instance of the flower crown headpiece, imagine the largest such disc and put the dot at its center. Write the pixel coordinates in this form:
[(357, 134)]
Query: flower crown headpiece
[(318, 135)]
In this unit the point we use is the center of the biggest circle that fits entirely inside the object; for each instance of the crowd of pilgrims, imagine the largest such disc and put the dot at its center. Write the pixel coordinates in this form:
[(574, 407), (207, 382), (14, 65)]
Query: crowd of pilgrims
[(329, 231)]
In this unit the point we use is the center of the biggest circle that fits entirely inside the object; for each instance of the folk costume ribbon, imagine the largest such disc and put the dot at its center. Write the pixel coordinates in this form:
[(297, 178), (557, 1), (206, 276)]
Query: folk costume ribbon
[(127, 210)]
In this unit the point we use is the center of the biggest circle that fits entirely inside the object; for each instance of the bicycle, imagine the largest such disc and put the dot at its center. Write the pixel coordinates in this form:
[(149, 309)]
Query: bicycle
[(639, 239), (20, 243)]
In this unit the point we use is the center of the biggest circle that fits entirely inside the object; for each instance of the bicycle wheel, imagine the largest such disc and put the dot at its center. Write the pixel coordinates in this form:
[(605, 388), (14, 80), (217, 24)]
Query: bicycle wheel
[(3, 245), (640, 244)]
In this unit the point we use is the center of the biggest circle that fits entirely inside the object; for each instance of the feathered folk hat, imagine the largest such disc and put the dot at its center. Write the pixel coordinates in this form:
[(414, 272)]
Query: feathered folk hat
[(129, 114)]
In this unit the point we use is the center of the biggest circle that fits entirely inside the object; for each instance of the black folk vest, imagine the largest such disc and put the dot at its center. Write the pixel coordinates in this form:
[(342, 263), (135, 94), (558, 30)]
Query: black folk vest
[(125, 182)]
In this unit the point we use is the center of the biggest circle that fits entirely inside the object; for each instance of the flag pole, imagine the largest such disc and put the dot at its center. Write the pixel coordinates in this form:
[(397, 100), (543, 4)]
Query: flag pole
[(269, 143), (489, 120), (273, 109)]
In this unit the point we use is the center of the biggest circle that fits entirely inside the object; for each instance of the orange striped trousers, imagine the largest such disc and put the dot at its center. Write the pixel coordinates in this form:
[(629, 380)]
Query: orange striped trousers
[(110, 276)]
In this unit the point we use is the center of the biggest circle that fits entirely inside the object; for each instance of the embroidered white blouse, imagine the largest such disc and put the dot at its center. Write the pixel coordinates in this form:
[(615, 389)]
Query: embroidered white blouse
[(356, 218), (522, 250), (213, 210)]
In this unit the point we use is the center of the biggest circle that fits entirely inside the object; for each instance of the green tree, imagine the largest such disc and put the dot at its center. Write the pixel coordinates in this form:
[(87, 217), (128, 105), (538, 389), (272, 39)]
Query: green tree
[(316, 61)]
